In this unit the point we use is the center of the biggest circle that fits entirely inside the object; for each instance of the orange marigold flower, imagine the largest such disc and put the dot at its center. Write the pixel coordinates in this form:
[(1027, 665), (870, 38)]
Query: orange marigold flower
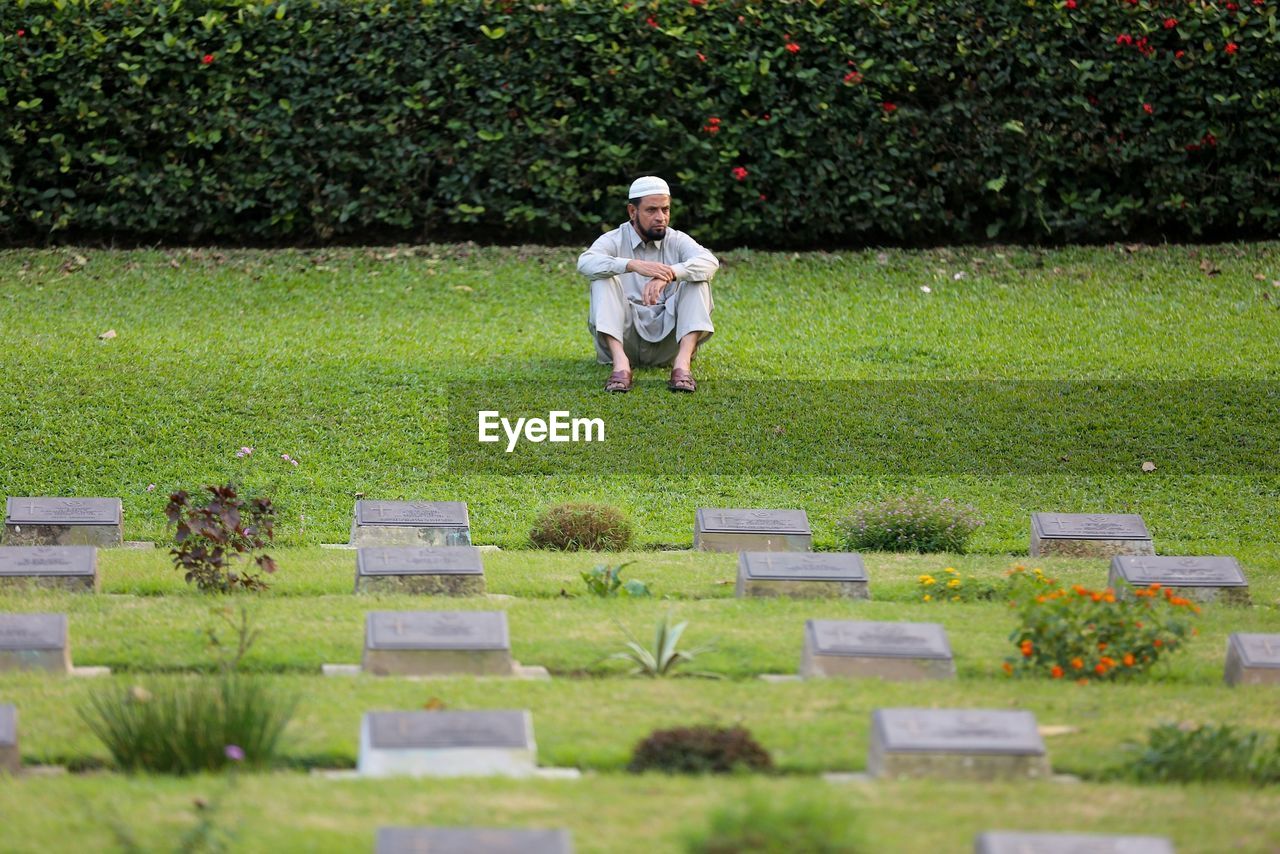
[(1097, 597), (1102, 646), (1080, 590), (1027, 648), (1154, 586), (1157, 643), (1100, 669), (1077, 664), (1137, 624), (1107, 662), (1008, 668), (1128, 659), (1056, 671), (1108, 596)]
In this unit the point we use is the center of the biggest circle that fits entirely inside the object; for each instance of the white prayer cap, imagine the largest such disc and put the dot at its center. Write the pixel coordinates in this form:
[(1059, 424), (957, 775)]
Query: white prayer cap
[(649, 185)]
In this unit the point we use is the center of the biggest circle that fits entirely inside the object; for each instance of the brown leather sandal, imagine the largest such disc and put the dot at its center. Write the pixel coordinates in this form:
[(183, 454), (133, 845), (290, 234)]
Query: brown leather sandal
[(619, 382), (682, 380)]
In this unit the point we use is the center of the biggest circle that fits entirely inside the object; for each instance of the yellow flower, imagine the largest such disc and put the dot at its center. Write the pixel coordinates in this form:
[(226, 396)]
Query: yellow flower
[(955, 582), (926, 580), (955, 598), (927, 597), (952, 570)]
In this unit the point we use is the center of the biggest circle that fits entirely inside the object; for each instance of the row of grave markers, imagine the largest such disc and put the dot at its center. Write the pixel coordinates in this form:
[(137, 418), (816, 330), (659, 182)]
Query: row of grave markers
[(478, 643), (965, 744), (459, 571), (100, 521)]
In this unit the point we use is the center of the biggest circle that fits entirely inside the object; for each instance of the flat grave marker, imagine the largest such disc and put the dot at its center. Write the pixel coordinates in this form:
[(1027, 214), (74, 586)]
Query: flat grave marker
[(1204, 579), (894, 651), (410, 523), (34, 642), (447, 744), (36, 521), (437, 643), (716, 530), (973, 744), (808, 575), (1009, 842), (472, 840), (1089, 535), (10, 757), (72, 568), (1252, 659), (426, 570)]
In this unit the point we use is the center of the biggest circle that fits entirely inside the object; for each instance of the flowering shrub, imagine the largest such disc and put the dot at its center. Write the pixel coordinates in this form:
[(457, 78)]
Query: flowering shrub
[(951, 586), (247, 120), (1083, 634), (916, 523)]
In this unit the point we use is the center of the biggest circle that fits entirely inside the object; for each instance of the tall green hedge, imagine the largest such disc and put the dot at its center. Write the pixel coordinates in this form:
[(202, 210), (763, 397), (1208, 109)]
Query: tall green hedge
[(778, 123)]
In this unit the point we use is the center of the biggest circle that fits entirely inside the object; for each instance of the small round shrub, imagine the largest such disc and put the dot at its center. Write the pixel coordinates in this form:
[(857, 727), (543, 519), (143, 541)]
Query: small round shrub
[(700, 750), (914, 523), (761, 824), (582, 527)]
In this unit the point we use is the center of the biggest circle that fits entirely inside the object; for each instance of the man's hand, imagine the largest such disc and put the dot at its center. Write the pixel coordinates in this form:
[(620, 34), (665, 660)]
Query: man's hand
[(653, 290), (652, 269)]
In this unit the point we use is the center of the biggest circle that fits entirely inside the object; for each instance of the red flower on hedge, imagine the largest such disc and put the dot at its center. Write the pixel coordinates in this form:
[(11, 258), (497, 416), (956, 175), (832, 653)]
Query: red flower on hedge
[(888, 106), (1071, 4), (1232, 47), (1232, 7), (1148, 109), (1170, 23), (21, 33), (739, 172), (763, 197), (853, 77), (1178, 54), (701, 58), (1124, 38), (697, 2), (650, 21), (207, 60), (793, 47)]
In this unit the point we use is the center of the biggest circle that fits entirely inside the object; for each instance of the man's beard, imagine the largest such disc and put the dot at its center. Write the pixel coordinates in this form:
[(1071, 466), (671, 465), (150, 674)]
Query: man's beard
[(657, 233)]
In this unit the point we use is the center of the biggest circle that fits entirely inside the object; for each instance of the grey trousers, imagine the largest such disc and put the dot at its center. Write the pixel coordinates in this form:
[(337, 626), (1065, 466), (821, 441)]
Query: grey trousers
[(610, 314)]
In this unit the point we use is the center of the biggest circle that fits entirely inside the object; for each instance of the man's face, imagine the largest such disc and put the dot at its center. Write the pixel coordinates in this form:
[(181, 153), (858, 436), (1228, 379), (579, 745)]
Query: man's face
[(651, 217)]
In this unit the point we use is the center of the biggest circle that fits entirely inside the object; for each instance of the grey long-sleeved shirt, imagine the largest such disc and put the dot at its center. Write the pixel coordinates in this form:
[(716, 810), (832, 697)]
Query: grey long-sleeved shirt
[(609, 255)]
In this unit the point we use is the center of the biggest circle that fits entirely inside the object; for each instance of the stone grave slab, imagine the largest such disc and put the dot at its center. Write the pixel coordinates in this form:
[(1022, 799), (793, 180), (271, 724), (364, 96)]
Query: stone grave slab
[(437, 643), (10, 758), (894, 651), (34, 642), (63, 522), (1009, 842), (716, 530), (410, 523), (965, 744), (447, 744), (1089, 535), (472, 840), (72, 568), (1203, 579), (426, 570), (1252, 659), (805, 575)]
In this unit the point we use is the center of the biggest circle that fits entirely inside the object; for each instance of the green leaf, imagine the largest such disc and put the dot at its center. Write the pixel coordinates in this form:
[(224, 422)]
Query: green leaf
[(997, 184), (495, 33), (490, 135)]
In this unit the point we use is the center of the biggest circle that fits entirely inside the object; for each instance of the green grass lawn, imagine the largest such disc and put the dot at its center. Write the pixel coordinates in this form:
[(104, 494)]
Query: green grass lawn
[(366, 365)]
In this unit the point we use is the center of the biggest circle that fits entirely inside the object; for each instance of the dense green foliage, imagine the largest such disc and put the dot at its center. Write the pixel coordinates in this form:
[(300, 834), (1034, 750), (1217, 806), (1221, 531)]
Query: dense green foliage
[(784, 123), (582, 526), (1206, 753), (704, 749), (762, 824)]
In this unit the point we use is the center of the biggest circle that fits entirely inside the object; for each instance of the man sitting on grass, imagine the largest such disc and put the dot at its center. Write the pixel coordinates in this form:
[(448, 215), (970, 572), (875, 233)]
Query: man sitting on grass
[(650, 291)]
